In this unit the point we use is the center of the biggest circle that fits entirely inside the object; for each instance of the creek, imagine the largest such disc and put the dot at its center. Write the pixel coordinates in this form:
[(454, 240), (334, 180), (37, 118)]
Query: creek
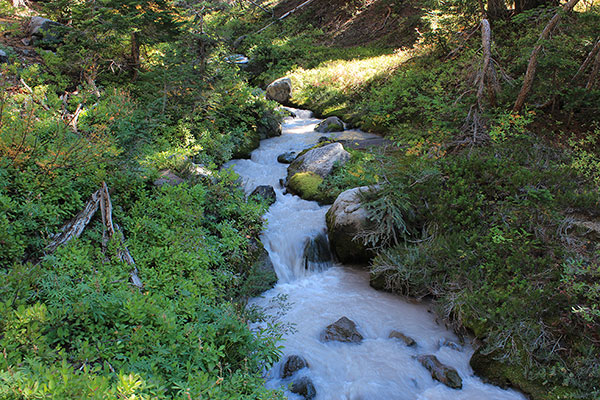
[(306, 300)]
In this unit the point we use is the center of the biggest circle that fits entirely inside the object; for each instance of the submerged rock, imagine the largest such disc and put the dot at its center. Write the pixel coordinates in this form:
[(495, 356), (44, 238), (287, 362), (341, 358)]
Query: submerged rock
[(406, 339), (346, 219), (440, 372), (317, 253), (292, 364), (266, 192), (320, 160), (449, 343), (304, 387), (331, 124), (343, 330), (167, 177), (280, 90), (287, 158)]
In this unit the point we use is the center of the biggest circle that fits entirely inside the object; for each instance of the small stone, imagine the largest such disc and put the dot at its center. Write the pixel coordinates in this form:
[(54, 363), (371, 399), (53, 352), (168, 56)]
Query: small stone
[(406, 339), (440, 372), (304, 387), (265, 192), (292, 364), (26, 41), (287, 158), (343, 330), (3, 57), (449, 343)]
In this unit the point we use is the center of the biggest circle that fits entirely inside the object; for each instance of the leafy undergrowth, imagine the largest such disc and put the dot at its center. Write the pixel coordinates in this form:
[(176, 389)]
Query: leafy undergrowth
[(71, 324)]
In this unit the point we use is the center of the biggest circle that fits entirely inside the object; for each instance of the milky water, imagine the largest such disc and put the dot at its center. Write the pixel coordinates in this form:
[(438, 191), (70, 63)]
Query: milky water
[(307, 301)]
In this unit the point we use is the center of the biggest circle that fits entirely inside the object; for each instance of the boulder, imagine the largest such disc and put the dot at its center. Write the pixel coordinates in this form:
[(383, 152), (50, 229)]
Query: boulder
[(304, 387), (343, 330), (406, 339), (280, 90), (331, 124), (292, 364), (440, 372), (198, 170), (3, 57), (49, 33), (317, 255), (319, 160), (346, 219), (306, 185), (287, 158), (265, 192), (269, 125), (167, 177)]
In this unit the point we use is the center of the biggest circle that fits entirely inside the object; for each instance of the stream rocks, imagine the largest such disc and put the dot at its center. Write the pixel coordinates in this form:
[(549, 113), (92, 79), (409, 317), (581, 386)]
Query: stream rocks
[(346, 219), (304, 387), (280, 90), (265, 192), (331, 124), (342, 330), (308, 170), (406, 339), (316, 253), (287, 158), (292, 364), (440, 372)]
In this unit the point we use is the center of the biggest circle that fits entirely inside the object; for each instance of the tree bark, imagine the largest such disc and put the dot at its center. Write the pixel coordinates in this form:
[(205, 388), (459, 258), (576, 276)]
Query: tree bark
[(487, 76), (594, 74), (531, 67)]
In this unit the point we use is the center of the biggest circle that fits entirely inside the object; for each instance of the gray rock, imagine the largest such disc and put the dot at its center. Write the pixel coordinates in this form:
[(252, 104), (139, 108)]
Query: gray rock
[(287, 158), (331, 124), (3, 57), (440, 372), (449, 343), (343, 330), (345, 219), (317, 255), (199, 170), (406, 339), (320, 160), (167, 177), (266, 192), (304, 387), (280, 90), (292, 364), (49, 33), (323, 139)]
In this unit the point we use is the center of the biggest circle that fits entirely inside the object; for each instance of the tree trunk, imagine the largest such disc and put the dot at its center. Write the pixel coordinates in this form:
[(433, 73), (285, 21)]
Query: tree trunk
[(135, 54), (595, 50), (487, 76), (18, 3), (531, 67), (594, 75), (496, 9)]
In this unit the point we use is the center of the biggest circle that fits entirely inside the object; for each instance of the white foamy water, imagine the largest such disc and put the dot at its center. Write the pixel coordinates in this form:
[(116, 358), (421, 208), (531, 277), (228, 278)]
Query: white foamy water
[(378, 368)]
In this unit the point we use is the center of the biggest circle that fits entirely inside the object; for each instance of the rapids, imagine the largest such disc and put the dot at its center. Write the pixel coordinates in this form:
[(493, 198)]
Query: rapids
[(308, 301)]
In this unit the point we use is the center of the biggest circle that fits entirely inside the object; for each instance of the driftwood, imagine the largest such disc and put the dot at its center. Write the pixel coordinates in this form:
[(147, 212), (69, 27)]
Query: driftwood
[(284, 16), (533, 59), (74, 228)]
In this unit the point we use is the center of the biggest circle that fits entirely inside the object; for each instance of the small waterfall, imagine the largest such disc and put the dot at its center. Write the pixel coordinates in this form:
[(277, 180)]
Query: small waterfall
[(316, 292)]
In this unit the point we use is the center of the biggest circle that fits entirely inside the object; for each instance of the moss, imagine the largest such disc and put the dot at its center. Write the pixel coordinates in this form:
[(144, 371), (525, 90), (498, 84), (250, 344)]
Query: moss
[(306, 185), (505, 375)]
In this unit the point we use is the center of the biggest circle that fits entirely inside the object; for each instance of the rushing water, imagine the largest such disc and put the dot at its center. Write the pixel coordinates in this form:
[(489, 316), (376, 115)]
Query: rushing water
[(308, 301)]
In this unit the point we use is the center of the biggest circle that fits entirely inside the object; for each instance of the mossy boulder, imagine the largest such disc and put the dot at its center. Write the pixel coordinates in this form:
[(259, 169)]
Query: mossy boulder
[(249, 143), (270, 124), (305, 185), (319, 160), (331, 124)]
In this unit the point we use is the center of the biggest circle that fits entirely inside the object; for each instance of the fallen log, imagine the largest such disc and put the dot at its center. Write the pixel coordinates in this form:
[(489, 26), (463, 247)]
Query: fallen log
[(284, 16), (74, 228)]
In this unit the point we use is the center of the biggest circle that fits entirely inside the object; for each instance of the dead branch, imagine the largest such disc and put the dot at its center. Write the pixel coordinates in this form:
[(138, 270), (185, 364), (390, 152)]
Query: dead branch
[(261, 7), (531, 67), (463, 44), (284, 16), (74, 228), (487, 77), (106, 209), (594, 74), (595, 50)]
